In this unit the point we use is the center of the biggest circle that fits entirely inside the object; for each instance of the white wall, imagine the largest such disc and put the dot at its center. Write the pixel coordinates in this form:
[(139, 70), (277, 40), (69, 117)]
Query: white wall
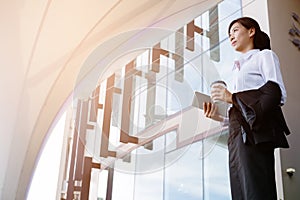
[(289, 55)]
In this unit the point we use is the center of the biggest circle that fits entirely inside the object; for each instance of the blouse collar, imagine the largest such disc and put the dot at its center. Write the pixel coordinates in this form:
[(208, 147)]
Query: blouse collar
[(244, 57)]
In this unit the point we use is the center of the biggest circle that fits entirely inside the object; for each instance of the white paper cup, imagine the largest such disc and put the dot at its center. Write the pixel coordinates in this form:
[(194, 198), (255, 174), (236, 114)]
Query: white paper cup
[(221, 105), (219, 83)]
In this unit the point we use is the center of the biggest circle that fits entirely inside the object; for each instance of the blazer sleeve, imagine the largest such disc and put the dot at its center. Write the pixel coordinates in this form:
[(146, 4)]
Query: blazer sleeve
[(261, 114), (257, 105)]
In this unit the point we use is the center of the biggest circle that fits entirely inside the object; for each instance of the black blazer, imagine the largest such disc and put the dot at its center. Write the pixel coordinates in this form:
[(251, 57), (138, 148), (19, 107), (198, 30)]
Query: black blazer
[(261, 114)]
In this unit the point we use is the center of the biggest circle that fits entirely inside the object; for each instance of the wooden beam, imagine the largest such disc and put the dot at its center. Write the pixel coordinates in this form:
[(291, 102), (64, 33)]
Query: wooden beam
[(126, 105), (107, 117), (156, 52), (70, 190), (86, 179), (81, 140), (110, 181), (191, 29)]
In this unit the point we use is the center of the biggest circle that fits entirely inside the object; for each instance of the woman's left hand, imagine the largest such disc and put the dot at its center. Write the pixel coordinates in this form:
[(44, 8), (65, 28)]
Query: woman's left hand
[(211, 111)]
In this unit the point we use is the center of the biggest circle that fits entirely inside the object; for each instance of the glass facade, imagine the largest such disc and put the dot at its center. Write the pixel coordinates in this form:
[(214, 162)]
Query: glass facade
[(138, 137)]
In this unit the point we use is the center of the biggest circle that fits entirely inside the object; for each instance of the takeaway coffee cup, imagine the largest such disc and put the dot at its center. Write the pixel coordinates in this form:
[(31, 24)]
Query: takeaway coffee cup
[(217, 83), (222, 106)]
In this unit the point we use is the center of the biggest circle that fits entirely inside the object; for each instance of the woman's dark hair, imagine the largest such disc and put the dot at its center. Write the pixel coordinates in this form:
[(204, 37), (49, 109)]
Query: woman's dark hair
[(261, 39)]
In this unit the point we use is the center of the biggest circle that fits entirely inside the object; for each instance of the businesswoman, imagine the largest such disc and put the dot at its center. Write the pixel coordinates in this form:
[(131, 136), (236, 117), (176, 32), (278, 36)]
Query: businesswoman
[(256, 122)]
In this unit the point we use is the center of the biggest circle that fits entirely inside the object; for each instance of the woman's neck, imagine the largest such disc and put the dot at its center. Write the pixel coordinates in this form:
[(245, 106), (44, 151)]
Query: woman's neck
[(245, 50)]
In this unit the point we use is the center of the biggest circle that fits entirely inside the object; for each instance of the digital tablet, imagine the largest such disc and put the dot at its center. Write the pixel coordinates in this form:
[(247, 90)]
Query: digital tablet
[(200, 98)]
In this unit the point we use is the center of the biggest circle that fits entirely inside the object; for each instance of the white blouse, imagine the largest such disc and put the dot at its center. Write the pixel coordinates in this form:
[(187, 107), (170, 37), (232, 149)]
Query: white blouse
[(254, 68)]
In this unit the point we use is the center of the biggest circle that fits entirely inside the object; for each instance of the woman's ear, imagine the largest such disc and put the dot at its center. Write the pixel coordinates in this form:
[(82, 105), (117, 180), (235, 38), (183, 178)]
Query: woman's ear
[(251, 32)]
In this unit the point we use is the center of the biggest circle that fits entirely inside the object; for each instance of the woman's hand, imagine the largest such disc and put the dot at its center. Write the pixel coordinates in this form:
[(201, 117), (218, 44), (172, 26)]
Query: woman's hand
[(211, 111), (220, 93)]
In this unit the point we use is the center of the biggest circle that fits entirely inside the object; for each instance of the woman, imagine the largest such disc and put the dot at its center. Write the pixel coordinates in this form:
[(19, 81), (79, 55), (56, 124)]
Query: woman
[(256, 122)]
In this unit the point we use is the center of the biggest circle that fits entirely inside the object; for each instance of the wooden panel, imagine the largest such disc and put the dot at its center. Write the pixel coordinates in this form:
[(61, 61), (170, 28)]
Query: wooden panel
[(191, 29), (81, 141), (212, 34), (86, 179), (126, 105), (110, 180), (155, 58), (107, 117), (90, 126), (156, 52), (190, 36), (73, 154), (117, 90)]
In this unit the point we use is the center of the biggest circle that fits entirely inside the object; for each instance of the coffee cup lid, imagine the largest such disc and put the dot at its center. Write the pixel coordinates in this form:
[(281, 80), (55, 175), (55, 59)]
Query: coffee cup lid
[(218, 81)]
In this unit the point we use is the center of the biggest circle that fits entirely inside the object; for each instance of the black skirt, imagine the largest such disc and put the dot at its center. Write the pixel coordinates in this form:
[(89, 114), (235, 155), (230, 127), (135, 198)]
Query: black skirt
[(251, 166)]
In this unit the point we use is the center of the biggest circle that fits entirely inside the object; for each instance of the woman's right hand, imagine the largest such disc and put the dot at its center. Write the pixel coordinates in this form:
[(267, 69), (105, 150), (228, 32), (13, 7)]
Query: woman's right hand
[(211, 111)]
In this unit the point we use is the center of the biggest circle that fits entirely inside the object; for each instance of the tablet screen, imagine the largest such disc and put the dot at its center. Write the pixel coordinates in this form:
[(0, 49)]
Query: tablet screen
[(199, 99)]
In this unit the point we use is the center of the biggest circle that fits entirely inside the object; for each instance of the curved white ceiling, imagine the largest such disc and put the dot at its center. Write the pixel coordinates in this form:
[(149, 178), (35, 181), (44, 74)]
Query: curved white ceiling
[(44, 49)]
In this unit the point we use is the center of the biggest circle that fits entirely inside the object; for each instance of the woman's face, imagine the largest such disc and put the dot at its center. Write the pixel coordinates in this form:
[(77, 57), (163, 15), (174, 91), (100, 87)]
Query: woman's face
[(241, 38)]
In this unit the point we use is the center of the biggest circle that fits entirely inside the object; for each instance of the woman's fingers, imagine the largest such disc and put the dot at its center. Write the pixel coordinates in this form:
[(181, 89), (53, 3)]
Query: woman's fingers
[(204, 107), (211, 111), (208, 109)]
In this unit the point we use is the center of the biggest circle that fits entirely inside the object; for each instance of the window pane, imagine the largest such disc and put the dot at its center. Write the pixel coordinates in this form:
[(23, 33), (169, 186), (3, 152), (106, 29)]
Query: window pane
[(184, 178)]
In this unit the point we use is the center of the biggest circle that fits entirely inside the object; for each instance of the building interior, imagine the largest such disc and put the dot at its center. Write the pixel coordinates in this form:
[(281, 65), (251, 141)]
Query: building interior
[(119, 79)]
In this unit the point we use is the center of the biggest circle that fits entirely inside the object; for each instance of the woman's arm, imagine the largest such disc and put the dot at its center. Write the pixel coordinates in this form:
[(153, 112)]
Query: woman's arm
[(258, 105)]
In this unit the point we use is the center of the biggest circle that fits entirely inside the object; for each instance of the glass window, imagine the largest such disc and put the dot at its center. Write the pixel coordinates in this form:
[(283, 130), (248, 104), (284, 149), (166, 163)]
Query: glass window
[(215, 169), (149, 171), (167, 168), (184, 178)]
